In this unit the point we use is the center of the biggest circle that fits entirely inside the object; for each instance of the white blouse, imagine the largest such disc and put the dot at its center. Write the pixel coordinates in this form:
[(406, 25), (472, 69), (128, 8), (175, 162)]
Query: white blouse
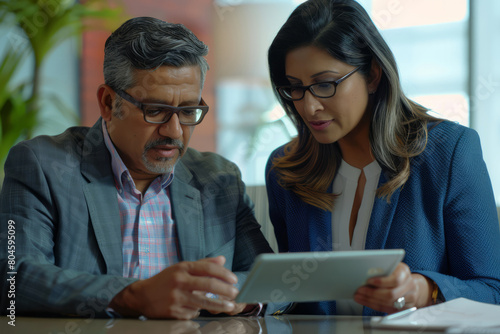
[(345, 185)]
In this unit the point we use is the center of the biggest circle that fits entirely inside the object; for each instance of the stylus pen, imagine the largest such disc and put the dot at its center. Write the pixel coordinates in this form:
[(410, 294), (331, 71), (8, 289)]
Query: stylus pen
[(398, 315)]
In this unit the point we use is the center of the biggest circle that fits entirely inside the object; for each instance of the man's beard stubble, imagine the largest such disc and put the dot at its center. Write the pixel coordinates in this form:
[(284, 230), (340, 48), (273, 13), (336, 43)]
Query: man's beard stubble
[(162, 165)]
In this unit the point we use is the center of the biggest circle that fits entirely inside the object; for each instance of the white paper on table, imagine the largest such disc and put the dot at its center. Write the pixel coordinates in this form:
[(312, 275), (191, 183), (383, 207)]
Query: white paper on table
[(460, 312)]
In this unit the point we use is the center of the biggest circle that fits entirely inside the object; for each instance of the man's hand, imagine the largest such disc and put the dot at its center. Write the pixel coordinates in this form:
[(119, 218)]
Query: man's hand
[(238, 307), (379, 293), (170, 294)]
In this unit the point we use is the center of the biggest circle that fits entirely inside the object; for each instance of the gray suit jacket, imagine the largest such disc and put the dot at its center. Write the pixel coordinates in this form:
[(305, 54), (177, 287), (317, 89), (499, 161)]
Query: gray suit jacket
[(60, 193)]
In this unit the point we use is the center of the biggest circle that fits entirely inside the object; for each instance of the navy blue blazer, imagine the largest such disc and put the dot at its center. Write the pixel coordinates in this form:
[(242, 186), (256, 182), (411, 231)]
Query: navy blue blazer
[(444, 217)]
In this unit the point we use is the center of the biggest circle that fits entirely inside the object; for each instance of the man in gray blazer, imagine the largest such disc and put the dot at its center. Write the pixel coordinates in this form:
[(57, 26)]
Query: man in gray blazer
[(123, 217)]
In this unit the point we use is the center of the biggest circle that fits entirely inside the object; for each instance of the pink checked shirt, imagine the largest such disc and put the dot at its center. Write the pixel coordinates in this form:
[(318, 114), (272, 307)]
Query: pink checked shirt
[(149, 236)]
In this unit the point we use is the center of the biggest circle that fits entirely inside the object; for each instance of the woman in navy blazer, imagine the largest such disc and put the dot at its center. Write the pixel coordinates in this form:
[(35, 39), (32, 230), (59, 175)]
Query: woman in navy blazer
[(370, 169)]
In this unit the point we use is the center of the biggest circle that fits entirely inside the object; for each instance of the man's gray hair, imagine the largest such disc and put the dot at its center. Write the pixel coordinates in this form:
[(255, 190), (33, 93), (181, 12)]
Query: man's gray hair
[(148, 43)]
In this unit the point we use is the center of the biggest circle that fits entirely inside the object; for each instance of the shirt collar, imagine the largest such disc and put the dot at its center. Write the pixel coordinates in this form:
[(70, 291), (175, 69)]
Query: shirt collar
[(373, 169)]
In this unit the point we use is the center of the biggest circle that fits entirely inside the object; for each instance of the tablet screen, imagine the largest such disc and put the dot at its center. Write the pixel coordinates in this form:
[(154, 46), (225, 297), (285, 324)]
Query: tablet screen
[(314, 276)]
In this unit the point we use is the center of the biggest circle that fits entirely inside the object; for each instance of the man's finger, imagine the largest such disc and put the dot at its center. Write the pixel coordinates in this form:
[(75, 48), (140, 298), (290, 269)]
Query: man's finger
[(212, 285), (208, 268), (213, 305), (221, 259)]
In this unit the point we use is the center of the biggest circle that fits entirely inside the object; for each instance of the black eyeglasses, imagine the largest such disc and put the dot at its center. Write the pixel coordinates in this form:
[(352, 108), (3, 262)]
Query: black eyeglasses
[(161, 113), (323, 89)]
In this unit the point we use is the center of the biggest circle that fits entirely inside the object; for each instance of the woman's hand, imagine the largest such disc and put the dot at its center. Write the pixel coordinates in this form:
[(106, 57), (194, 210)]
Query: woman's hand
[(380, 293)]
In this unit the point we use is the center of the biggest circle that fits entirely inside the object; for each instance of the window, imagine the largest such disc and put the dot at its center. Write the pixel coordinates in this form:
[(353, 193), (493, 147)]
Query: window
[(430, 42), (250, 122)]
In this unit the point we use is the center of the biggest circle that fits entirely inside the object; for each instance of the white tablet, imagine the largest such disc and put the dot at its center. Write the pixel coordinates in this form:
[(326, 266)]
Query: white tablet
[(314, 276)]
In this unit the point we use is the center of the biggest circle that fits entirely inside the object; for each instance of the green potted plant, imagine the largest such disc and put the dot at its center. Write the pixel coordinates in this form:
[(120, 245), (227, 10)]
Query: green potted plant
[(43, 25)]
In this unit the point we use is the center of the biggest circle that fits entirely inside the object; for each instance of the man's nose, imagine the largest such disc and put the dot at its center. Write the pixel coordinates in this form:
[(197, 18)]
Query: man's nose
[(172, 128)]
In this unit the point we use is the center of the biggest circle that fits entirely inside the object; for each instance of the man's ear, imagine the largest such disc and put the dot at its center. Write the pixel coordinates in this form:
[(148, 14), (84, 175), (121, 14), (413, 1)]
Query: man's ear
[(105, 97), (374, 77)]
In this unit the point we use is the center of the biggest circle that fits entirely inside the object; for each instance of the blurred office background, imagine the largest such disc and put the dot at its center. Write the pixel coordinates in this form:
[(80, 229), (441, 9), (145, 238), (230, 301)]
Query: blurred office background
[(447, 53)]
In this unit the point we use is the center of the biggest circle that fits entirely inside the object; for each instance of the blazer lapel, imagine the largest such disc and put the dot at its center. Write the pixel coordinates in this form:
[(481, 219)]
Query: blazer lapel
[(187, 214), (320, 230), (320, 233), (381, 218), (100, 194)]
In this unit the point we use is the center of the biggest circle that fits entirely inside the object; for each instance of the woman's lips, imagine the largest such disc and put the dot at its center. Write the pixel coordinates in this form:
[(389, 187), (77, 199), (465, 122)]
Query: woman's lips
[(319, 125)]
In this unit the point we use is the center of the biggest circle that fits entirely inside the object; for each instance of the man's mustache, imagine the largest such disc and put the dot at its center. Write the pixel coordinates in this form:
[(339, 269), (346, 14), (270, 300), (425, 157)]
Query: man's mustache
[(165, 141)]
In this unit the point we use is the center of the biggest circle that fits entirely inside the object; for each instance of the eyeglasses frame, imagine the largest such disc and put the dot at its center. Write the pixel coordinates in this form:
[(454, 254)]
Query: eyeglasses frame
[(175, 110), (308, 88)]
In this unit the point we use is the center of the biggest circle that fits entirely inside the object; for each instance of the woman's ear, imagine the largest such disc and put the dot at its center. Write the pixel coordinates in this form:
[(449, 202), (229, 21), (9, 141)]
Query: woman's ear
[(105, 96), (374, 77)]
